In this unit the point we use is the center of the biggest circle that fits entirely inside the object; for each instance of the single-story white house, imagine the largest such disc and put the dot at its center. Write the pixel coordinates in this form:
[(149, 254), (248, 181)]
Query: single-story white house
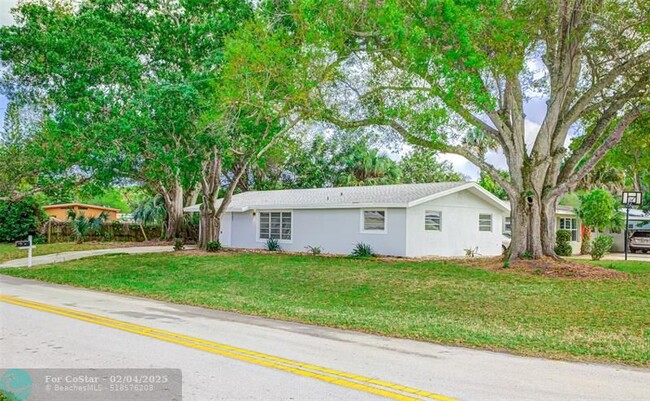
[(411, 220)]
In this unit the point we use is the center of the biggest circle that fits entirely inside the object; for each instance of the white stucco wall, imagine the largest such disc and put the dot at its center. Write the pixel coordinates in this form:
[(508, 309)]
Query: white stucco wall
[(459, 228), (335, 230), (226, 229)]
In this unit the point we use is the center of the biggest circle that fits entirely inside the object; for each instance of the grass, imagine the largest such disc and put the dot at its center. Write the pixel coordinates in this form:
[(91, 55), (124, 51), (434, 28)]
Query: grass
[(589, 320), (10, 252)]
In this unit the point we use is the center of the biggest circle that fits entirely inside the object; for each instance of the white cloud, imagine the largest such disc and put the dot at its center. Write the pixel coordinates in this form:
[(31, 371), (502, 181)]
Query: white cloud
[(461, 165)]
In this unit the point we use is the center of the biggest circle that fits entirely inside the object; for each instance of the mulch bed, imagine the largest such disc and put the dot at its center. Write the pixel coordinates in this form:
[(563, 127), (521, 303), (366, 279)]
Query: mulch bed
[(545, 267)]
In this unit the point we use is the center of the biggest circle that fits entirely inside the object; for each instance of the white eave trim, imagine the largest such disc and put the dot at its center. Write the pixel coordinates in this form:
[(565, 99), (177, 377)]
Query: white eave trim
[(321, 206), (195, 208)]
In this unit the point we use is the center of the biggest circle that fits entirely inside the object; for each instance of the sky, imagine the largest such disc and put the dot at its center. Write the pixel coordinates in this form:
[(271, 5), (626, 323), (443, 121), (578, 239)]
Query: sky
[(5, 19), (534, 109)]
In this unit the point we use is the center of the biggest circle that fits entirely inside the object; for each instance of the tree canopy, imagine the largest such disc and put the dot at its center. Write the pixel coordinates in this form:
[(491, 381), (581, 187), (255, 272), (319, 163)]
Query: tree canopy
[(193, 96), (454, 77)]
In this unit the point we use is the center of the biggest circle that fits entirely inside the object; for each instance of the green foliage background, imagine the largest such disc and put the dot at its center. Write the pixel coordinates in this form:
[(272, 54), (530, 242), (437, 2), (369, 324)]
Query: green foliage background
[(19, 219)]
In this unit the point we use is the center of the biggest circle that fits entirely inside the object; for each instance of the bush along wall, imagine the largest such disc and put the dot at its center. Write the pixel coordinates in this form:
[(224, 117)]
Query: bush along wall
[(62, 231), (562, 244), (20, 219), (116, 231)]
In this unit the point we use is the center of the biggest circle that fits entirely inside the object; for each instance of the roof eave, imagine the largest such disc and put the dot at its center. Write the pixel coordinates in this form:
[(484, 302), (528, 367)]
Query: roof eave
[(470, 185)]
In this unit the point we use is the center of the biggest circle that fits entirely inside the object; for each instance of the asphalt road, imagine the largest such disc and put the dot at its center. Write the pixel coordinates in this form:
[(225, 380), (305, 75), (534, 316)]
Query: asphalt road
[(234, 358)]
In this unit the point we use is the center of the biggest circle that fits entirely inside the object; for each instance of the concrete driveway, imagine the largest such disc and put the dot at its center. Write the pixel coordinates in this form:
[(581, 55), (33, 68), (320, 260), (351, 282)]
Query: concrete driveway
[(641, 257), (65, 256)]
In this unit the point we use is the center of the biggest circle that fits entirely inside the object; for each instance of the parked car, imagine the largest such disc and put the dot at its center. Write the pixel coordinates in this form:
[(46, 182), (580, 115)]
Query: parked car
[(505, 242), (640, 241)]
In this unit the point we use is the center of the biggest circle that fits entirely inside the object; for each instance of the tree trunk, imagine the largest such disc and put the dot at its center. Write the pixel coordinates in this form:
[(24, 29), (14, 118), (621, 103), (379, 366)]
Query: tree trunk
[(637, 181), (210, 184), (526, 228), (210, 222), (210, 215), (548, 227), (192, 196), (173, 198)]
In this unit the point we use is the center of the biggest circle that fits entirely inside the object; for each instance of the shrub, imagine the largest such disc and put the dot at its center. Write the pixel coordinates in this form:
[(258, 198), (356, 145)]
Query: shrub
[(562, 245), (213, 246), (273, 245), (82, 226), (39, 239), (362, 250), (20, 219), (314, 250), (506, 264), (600, 246), (179, 244)]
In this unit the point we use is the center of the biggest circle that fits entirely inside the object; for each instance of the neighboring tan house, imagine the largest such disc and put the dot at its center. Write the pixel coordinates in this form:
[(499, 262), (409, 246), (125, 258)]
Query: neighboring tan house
[(60, 212), (410, 220)]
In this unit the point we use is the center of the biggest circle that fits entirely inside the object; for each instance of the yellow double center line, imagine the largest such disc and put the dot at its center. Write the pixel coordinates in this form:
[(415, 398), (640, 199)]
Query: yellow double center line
[(356, 382)]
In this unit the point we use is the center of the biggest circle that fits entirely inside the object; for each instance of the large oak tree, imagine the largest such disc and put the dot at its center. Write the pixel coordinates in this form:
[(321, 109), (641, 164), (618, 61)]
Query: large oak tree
[(438, 72)]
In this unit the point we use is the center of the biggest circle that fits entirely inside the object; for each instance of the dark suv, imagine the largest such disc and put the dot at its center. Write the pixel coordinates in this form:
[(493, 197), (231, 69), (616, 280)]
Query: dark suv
[(640, 241)]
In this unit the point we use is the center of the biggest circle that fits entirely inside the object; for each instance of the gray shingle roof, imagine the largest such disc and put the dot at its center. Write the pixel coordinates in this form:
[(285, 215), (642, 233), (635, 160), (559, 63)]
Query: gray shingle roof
[(378, 195)]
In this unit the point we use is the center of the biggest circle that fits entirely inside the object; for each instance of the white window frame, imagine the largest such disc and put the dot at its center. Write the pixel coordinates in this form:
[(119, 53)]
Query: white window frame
[(507, 221), (259, 225), (491, 222), (362, 224), (426, 212), (574, 227)]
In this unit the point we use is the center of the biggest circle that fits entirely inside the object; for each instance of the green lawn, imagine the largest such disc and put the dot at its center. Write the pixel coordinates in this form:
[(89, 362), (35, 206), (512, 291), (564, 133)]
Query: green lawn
[(606, 320), (10, 252)]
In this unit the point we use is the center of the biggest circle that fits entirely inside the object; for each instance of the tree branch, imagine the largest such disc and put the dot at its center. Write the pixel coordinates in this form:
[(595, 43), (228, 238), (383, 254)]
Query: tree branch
[(579, 107), (418, 141), (600, 152), (592, 138)]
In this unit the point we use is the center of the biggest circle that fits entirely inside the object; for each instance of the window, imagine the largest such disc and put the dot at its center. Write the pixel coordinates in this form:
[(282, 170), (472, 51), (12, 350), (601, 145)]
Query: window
[(432, 220), (485, 222), (275, 225), (507, 224), (374, 221), (570, 225)]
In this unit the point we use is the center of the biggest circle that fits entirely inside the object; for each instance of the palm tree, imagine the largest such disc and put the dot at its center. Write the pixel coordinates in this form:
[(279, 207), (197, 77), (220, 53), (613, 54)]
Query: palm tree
[(363, 166), (82, 226), (150, 211)]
